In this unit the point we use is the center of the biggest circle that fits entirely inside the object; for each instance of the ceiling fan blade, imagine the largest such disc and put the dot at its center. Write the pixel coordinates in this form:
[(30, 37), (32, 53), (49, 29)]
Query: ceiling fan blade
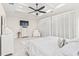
[(41, 8), (42, 11), (32, 12), (32, 8)]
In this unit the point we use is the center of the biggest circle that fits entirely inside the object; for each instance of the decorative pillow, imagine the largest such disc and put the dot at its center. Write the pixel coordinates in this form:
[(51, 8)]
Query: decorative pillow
[(61, 42)]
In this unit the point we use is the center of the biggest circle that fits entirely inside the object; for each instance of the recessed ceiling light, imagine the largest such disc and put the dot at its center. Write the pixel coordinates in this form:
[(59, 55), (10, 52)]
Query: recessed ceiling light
[(23, 4), (60, 5), (20, 10)]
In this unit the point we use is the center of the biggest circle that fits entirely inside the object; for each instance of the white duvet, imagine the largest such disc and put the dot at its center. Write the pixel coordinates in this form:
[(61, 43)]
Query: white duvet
[(48, 46), (71, 49)]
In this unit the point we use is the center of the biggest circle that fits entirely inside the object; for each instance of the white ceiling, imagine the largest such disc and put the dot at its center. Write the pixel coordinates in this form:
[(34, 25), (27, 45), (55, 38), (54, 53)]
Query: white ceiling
[(50, 8)]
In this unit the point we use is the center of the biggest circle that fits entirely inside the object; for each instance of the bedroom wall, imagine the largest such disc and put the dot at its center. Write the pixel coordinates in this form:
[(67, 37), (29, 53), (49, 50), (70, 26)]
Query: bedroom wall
[(62, 25), (13, 24)]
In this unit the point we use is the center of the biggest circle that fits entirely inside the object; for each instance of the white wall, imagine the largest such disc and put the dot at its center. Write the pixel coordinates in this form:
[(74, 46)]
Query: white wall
[(13, 22), (6, 44), (2, 12)]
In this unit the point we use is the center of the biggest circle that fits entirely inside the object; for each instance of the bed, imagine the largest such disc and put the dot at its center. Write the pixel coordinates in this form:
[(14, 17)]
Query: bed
[(49, 46)]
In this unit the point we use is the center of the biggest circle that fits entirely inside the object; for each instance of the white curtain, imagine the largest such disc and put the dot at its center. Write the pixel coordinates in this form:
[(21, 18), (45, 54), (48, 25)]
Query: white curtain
[(45, 26), (65, 25), (62, 25)]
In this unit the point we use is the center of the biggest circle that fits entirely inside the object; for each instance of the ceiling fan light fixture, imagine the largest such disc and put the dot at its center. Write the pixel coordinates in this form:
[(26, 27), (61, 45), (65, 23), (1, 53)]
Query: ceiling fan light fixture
[(36, 4), (37, 14)]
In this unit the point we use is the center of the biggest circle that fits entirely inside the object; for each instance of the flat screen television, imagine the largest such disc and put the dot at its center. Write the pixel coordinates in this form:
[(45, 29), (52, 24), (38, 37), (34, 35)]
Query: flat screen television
[(24, 24)]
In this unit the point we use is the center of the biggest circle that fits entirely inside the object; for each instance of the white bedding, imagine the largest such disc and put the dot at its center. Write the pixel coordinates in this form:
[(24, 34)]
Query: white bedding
[(48, 46), (71, 49)]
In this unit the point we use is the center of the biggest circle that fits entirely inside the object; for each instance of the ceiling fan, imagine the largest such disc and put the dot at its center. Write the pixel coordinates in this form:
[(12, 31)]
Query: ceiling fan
[(37, 10)]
